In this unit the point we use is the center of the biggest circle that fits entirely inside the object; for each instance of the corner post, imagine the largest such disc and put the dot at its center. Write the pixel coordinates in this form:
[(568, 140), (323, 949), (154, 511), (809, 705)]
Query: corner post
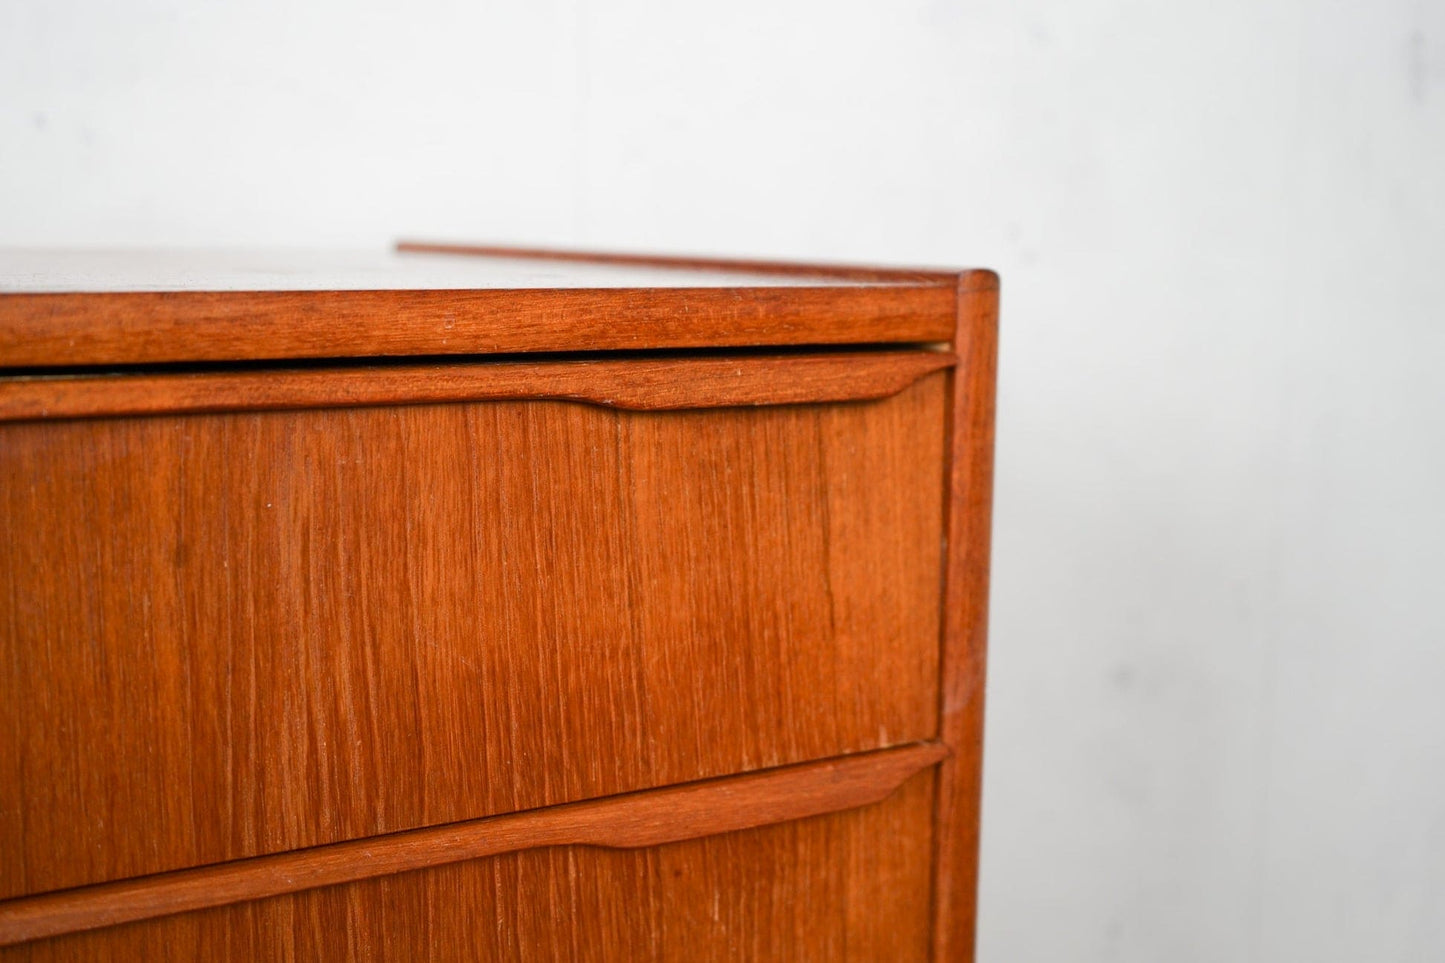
[(967, 522)]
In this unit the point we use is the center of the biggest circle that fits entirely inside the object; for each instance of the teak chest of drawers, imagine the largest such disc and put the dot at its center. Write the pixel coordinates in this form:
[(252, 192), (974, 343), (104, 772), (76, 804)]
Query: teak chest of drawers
[(474, 604)]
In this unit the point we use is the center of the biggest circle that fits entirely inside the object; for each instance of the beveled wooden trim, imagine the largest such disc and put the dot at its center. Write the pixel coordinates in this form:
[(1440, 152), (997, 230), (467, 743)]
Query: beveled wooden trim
[(842, 272), (639, 384), (92, 329), (647, 818), (967, 523)]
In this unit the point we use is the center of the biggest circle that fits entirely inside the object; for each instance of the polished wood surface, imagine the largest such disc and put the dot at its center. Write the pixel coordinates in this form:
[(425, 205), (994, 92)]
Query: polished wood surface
[(648, 818), (62, 321), (640, 384), (38, 330), (306, 608), (850, 886), (965, 614), (247, 633)]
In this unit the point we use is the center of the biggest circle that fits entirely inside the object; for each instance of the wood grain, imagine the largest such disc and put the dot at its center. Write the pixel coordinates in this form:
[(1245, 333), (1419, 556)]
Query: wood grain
[(66, 330), (227, 635), (852, 885), (965, 614), (247, 612), (642, 384), (641, 819)]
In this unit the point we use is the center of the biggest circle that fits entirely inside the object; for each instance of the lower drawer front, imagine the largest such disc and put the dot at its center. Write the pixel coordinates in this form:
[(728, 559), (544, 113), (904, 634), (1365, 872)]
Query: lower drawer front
[(234, 634), (847, 886)]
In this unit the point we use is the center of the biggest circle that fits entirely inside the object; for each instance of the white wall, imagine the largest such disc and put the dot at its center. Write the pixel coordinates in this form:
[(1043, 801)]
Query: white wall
[(1215, 728)]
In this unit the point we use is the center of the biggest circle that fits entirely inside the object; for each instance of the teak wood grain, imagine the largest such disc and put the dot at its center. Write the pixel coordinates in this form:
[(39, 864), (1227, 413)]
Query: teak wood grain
[(639, 384), (853, 885), (236, 634), (648, 818), (254, 611)]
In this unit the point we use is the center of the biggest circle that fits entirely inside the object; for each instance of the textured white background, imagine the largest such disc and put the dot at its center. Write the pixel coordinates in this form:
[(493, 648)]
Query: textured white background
[(1216, 729)]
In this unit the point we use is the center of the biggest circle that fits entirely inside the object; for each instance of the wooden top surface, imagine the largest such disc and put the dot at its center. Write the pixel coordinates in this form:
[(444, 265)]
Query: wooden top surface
[(104, 308), (40, 271)]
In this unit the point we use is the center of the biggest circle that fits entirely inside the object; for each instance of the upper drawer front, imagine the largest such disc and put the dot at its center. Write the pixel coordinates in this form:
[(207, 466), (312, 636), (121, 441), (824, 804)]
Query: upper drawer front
[(237, 633)]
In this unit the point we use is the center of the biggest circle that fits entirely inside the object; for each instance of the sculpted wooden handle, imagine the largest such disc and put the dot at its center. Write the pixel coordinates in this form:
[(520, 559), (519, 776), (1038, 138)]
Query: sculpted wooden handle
[(647, 384), (647, 818)]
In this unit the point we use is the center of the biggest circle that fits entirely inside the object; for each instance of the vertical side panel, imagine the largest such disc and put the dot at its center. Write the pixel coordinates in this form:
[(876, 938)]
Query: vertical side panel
[(965, 615)]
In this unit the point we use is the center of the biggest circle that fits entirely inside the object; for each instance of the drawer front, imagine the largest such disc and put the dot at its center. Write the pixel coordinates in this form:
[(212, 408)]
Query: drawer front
[(238, 633), (816, 889)]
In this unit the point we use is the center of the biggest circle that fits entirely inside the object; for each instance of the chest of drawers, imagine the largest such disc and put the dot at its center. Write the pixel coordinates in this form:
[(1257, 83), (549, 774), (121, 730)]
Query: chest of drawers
[(473, 604)]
